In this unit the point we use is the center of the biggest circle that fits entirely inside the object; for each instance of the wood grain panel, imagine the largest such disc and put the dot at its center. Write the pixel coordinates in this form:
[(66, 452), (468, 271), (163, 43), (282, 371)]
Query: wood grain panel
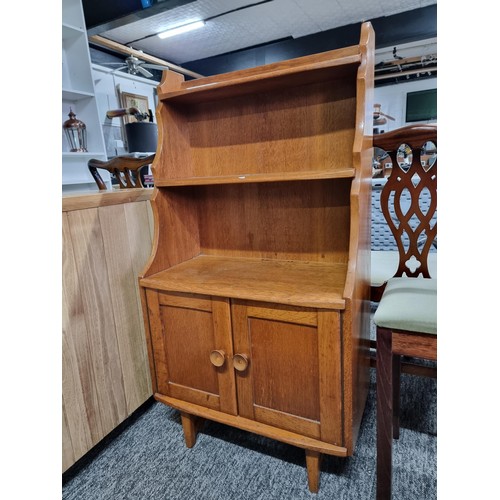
[(148, 332), (223, 337), (283, 420), (126, 236), (245, 87), (241, 344), (308, 284), (81, 423), (105, 363), (172, 159), (338, 173), (185, 329), (68, 455), (356, 318), (307, 221), (186, 300), (284, 359), (92, 276), (296, 129), (281, 385), (140, 230), (105, 198), (292, 438), (158, 359), (287, 314), (188, 340), (151, 221), (177, 239), (330, 376), (283, 74), (195, 396), (417, 346)]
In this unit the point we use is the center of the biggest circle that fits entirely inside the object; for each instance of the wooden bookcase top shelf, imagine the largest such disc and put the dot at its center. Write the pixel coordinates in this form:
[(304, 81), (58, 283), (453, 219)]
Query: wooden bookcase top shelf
[(304, 71), (280, 132), (307, 284)]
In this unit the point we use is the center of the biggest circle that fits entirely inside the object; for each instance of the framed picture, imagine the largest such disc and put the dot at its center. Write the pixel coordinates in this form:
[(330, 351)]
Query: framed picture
[(133, 101)]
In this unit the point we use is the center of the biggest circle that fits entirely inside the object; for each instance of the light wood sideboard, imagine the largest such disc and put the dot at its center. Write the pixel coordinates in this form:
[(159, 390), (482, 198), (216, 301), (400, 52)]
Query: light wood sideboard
[(106, 241), (256, 294)]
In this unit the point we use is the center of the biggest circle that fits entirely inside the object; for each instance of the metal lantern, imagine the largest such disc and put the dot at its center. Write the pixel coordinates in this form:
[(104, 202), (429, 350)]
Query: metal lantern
[(76, 133)]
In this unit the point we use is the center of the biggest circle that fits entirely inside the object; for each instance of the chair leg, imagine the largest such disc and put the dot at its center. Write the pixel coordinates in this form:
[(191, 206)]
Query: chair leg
[(396, 385), (385, 399)]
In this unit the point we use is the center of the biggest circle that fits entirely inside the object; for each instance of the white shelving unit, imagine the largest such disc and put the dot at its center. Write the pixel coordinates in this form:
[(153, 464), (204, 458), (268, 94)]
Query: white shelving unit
[(78, 93)]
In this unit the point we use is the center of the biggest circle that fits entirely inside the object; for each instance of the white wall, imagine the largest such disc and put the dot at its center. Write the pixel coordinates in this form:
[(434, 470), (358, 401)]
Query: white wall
[(393, 101), (106, 84)]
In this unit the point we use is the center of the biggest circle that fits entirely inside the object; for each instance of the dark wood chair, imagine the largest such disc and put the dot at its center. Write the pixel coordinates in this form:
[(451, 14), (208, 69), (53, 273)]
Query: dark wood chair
[(412, 203), (125, 168), (408, 203), (406, 316)]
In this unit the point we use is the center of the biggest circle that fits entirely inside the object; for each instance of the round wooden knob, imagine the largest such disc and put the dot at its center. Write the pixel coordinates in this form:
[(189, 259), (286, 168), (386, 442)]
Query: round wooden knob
[(217, 358), (240, 362)]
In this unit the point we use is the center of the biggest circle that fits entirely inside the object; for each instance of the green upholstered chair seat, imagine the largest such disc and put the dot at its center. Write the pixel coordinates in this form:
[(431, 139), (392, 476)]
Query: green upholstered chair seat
[(408, 304), (384, 264)]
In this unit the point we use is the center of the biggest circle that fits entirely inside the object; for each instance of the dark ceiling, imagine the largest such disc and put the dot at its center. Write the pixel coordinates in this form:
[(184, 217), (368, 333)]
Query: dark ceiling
[(102, 15), (402, 28)]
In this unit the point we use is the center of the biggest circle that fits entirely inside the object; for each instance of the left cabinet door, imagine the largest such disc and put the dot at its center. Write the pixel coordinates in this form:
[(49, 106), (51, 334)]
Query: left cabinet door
[(192, 348)]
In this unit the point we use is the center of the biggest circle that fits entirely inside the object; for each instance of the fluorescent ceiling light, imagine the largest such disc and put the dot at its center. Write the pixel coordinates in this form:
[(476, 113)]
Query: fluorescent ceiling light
[(181, 29)]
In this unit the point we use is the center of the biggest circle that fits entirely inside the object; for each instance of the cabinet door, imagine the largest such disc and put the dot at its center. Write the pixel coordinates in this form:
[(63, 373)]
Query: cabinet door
[(288, 368), (191, 337)]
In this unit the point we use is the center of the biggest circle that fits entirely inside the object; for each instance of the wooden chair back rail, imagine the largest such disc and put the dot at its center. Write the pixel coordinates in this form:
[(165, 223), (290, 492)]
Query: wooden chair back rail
[(122, 167), (414, 223)]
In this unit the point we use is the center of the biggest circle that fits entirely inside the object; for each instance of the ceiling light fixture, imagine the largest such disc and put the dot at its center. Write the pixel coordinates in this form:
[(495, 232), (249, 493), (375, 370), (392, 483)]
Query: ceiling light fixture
[(181, 29)]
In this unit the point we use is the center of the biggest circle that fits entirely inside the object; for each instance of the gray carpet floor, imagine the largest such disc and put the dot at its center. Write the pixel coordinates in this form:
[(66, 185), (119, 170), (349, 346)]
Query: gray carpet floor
[(147, 459)]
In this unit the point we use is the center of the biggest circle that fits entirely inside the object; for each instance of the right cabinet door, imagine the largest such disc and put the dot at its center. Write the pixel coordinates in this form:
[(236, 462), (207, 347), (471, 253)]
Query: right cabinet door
[(288, 368)]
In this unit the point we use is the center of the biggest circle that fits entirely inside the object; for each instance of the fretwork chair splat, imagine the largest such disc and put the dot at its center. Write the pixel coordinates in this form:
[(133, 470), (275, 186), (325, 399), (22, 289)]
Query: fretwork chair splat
[(408, 199)]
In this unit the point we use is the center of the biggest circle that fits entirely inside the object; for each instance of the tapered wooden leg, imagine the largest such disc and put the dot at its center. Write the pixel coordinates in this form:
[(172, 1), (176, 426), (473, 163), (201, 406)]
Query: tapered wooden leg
[(190, 427), (313, 461), (396, 384), (385, 398)]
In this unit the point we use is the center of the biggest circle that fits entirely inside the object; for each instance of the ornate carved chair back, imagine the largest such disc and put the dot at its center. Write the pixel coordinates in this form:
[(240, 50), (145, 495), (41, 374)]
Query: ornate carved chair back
[(122, 167), (413, 151)]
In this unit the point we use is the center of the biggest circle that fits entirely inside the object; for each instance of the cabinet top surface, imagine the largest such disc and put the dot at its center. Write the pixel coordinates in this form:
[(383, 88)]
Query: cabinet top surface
[(307, 284), (104, 198)]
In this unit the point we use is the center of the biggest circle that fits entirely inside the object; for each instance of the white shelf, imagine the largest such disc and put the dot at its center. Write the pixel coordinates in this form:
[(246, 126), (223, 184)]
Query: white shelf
[(80, 188), (75, 95), (80, 155), (69, 31), (78, 93)]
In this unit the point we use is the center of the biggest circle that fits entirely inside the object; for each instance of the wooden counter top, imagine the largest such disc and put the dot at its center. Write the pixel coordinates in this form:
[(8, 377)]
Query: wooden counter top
[(105, 198)]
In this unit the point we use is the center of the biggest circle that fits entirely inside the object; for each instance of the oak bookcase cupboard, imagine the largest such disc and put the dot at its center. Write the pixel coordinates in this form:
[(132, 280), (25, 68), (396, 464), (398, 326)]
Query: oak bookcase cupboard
[(256, 294)]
